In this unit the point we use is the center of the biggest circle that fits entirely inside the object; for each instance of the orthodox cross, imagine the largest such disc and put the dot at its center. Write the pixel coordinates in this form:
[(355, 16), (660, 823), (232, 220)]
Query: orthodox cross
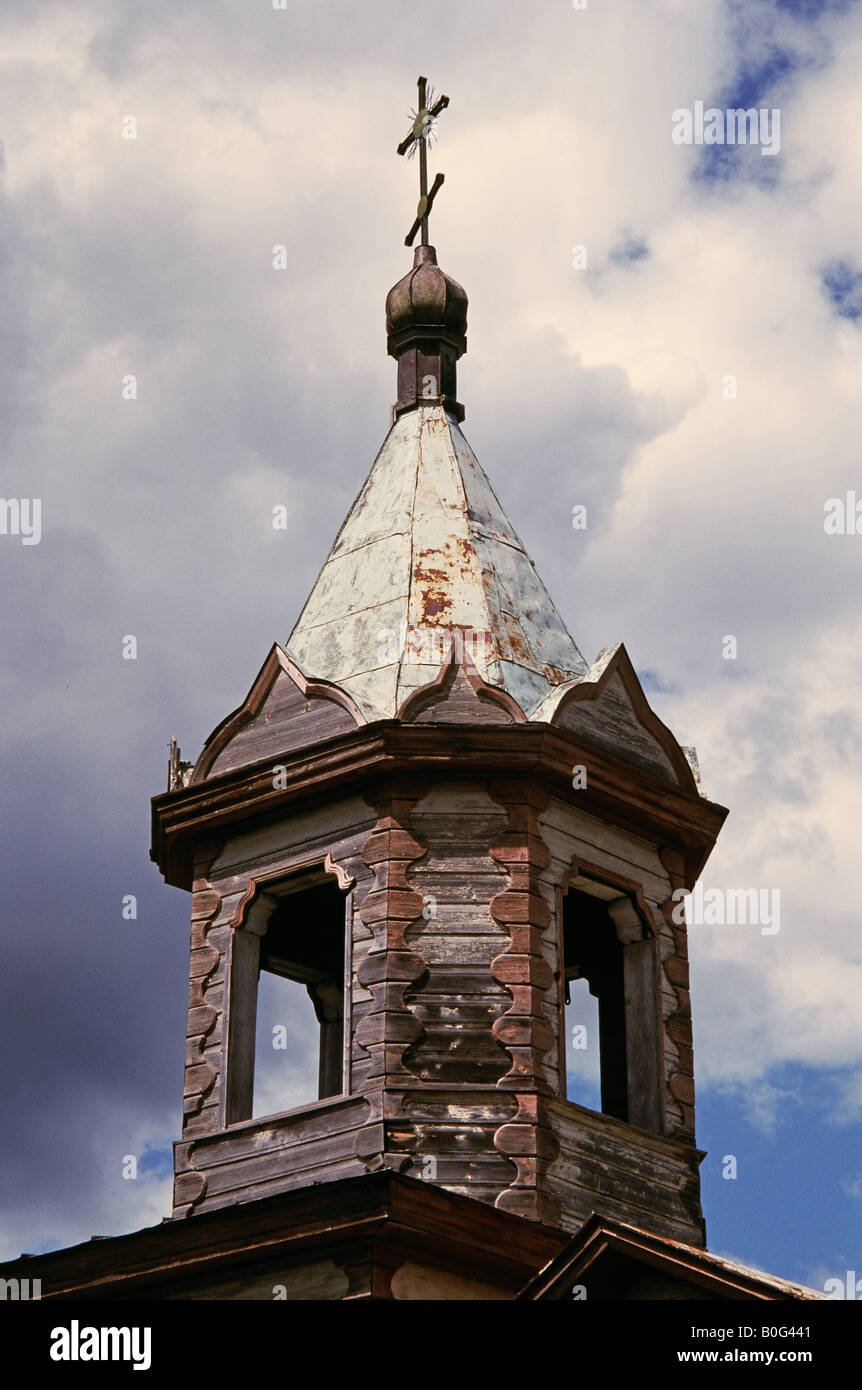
[(421, 132)]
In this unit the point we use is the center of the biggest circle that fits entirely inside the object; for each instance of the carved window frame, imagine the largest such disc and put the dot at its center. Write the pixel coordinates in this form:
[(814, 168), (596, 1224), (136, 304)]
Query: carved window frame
[(642, 991), (242, 978)]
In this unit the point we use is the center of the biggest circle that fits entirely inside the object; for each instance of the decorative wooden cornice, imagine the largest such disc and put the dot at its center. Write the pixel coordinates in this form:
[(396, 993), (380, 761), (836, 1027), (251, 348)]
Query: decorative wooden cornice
[(633, 798)]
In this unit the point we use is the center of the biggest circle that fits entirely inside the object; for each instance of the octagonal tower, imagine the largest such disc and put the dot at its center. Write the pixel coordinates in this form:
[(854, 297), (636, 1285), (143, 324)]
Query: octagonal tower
[(433, 815)]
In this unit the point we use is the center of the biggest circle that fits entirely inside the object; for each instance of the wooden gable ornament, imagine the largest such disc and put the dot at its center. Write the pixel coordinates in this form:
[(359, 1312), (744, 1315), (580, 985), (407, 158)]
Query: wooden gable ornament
[(282, 711), (608, 708), (458, 694)]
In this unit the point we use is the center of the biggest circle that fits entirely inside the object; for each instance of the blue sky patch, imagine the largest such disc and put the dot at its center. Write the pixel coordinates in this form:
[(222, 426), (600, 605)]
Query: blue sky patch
[(843, 286), (157, 1163), (628, 251), (797, 1152), (810, 10)]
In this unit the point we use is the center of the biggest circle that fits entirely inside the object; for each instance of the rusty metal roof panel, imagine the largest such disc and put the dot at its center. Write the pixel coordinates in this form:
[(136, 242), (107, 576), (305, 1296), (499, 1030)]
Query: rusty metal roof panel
[(427, 549)]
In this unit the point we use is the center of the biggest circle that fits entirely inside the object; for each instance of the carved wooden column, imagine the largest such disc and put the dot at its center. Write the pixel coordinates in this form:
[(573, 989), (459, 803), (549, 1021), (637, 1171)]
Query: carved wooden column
[(523, 1029)]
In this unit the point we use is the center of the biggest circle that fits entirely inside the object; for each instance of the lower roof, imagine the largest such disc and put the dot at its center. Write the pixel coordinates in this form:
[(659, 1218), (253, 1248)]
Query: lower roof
[(609, 1258), (381, 1218)]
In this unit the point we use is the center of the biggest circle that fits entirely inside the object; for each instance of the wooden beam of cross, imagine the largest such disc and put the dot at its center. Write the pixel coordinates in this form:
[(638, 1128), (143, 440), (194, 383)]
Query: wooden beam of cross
[(418, 136)]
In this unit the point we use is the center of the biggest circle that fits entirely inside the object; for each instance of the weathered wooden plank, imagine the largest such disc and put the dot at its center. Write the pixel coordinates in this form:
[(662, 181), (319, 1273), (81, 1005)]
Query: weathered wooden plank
[(577, 1204), (477, 1191), (287, 1182), (470, 1013), (213, 994), (455, 1072), (283, 1132), (459, 1105), (677, 1200), (646, 1168), (454, 919), (343, 826), (254, 1169), (568, 831), (561, 819), (476, 1042), (578, 1125), (458, 822), (473, 955), (453, 980), (469, 893), (456, 1142), (485, 1171), (606, 1181)]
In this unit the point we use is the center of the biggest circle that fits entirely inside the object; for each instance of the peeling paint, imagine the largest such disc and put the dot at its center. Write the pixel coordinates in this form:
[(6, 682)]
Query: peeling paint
[(427, 545)]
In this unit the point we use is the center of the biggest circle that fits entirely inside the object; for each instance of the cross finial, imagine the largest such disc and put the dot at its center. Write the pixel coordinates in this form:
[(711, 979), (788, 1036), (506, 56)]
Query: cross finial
[(421, 133)]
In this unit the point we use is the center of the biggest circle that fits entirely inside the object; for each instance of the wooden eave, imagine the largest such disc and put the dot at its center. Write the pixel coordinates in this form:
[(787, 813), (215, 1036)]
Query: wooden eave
[(382, 1219), (603, 1248), (354, 762)]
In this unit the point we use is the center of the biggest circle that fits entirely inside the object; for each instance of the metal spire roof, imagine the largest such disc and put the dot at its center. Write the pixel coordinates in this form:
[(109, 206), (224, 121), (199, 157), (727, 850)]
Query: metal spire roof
[(427, 587), (426, 552)]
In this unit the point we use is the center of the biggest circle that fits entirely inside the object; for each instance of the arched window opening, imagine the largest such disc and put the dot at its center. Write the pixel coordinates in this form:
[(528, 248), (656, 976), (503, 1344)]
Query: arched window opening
[(285, 1046), (304, 942), (583, 1072), (288, 987), (608, 947)]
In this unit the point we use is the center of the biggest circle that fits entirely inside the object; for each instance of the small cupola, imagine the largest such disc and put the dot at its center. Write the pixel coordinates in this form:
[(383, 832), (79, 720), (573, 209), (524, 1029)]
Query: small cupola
[(426, 327)]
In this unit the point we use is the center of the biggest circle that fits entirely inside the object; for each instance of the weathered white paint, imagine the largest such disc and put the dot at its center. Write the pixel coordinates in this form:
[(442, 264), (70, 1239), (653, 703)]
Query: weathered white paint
[(426, 546)]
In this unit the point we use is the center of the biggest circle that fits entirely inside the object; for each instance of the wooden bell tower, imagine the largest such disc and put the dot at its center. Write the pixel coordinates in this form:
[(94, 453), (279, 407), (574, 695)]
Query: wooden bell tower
[(434, 878), (433, 814)]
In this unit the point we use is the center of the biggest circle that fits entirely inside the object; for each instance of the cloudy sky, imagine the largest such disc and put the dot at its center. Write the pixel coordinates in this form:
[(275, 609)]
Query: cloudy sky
[(696, 385)]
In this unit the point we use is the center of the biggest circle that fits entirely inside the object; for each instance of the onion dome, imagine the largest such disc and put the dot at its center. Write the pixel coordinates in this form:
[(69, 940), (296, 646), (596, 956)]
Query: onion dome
[(426, 326)]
